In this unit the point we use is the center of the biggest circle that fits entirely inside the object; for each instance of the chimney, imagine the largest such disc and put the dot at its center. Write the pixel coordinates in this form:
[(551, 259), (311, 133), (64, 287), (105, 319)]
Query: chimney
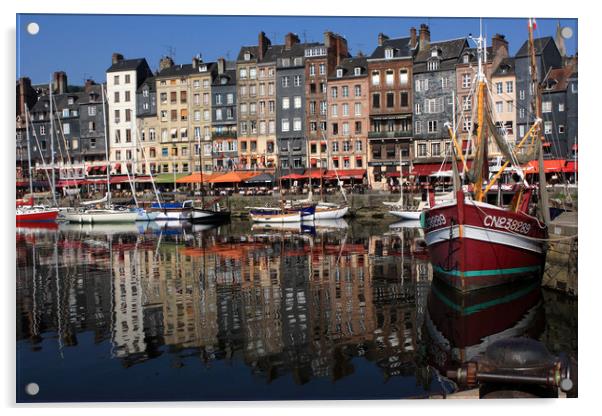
[(290, 39), (88, 86), (59, 84), (117, 57), (382, 38), (497, 42), (165, 62), (24, 87), (425, 37), (413, 40), (263, 43), (221, 66), (195, 62)]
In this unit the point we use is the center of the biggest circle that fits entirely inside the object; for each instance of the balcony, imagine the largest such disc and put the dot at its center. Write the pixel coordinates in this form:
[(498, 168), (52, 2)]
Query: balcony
[(389, 134), (224, 135)]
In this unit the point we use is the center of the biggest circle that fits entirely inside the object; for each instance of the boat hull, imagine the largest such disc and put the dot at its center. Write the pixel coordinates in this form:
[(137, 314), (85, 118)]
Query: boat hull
[(173, 215), (474, 245), (101, 217), (406, 215), (207, 216), (277, 218), (330, 213), (37, 216)]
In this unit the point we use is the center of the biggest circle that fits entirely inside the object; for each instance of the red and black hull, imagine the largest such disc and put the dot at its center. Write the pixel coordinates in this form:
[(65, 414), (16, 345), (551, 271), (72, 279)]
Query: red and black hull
[(475, 245), (42, 216)]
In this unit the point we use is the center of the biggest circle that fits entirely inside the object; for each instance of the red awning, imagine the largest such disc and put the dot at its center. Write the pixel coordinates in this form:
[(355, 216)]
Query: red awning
[(70, 182), (119, 179), (294, 176), (570, 167), (316, 174), (102, 168), (554, 165), (346, 174), (427, 169), (546, 144)]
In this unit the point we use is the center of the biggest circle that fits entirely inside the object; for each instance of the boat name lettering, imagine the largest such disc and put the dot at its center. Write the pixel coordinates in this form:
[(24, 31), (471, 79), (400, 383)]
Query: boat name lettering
[(508, 224), (435, 221)]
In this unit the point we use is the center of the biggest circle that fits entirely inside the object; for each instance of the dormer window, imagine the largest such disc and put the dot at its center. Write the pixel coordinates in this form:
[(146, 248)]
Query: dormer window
[(434, 52), (203, 68), (339, 72), (247, 56), (223, 80), (70, 101), (389, 53), (357, 71), (432, 65), (466, 59)]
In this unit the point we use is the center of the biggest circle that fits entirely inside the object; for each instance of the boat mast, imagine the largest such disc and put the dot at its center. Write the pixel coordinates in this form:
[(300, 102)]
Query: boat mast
[(52, 184), (536, 88), (28, 154), (104, 123), (201, 169), (481, 138)]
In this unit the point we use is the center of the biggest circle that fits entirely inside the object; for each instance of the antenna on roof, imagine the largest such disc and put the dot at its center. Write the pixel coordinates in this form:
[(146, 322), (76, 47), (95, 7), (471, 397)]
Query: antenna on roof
[(171, 51), (304, 36)]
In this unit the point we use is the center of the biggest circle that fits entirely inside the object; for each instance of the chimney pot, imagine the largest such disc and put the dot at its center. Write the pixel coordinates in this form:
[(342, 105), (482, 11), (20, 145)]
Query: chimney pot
[(382, 38), (425, 37), (117, 57), (413, 39), (221, 66)]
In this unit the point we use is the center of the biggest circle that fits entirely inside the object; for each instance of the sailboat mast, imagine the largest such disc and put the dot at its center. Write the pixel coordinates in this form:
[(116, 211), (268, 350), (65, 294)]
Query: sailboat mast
[(28, 154), (201, 169), (543, 193), (52, 184), (104, 123)]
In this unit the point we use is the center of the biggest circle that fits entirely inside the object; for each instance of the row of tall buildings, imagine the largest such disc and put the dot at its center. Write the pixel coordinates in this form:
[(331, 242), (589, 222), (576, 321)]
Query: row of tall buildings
[(300, 105)]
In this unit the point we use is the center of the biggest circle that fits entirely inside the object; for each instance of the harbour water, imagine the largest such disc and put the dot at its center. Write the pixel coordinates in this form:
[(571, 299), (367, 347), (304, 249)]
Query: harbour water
[(343, 310)]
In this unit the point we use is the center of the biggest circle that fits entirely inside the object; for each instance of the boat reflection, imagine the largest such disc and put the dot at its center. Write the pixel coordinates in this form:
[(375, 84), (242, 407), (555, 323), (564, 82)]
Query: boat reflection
[(461, 327)]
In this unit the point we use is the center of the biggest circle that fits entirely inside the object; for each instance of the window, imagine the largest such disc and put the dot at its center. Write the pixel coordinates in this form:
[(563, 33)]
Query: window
[(345, 91), (164, 135), (285, 124), (444, 83), (376, 100), (334, 110), (253, 73), (197, 133), (509, 87), (151, 135), (271, 88), (389, 78), (230, 98), (547, 127), (218, 115), (390, 100), (467, 124), (243, 72), (358, 127), (92, 110), (116, 96), (358, 90), (403, 99), (574, 88), (91, 126), (403, 77), (271, 107), (375, 78), (205, 98), (117, 118), (418, 127), (510, 106), (297, 124), (345, 109), (206, 115), (285, 103), (253, 90), (322, 69), (65, 112), (127, 96), (499, 106), (546, 106), (346, 133), (335, 129), (435, 149), (163, 98), (499, 87), (561, 107), (466, 103), (128, 115), (66, 128), (173, 97), (334, 92), (297, 80), (432, 126), (521, 112), (262, 127), (521, 94), (560, 128), (422, 149), (174, 115), (335, 146), (116, 79), (357, 71), (312, 70), (466, 59), (422, 85), (285, 81), (196, 84), (432, 65), (253, 108), (358, 109), (323, 107), (243, 108), (339, 72), (433, 106), (521, 131), (417, 108), (128, 135), (466, 81)]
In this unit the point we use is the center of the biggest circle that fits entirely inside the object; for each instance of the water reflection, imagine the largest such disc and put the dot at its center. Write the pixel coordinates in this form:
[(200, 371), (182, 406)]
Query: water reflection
[(254, 307)]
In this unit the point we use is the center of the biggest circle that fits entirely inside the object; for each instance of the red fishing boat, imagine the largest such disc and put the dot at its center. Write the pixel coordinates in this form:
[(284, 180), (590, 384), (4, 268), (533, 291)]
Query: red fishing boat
[(473, 244), (36, 214)]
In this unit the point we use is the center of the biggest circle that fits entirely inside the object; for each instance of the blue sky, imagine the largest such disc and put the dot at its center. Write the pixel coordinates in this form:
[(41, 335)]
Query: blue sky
[(81, 45)]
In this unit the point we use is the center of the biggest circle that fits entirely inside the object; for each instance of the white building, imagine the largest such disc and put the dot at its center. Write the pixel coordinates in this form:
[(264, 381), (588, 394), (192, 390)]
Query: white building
[(123, 79)]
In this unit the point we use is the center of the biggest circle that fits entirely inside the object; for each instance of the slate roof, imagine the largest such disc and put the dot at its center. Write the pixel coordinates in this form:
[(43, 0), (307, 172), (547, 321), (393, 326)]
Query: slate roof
[(85, 96), (127, 65), (556, 80), (449, 57), (348, 66), (401, 48), (229, 74), (60, 102), (506, 67), (148, 82), (539, 43), (243, 49), (474, 55), (183, 70)]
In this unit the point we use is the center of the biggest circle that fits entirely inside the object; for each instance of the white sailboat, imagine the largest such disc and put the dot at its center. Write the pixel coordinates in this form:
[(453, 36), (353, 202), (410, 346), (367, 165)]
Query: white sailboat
[(107, 214), (401, 210)]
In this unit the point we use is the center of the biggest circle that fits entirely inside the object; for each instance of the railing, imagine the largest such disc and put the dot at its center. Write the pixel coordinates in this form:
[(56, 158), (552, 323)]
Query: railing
[(389, 134), (225, 134)]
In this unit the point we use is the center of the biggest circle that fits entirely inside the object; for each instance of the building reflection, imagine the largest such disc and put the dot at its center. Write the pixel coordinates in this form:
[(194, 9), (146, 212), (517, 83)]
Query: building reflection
[(285, 304)]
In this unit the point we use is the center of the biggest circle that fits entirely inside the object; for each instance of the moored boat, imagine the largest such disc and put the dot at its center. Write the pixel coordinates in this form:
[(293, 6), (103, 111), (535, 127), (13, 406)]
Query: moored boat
[(173, 211), (201, 215), (36, 214)]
